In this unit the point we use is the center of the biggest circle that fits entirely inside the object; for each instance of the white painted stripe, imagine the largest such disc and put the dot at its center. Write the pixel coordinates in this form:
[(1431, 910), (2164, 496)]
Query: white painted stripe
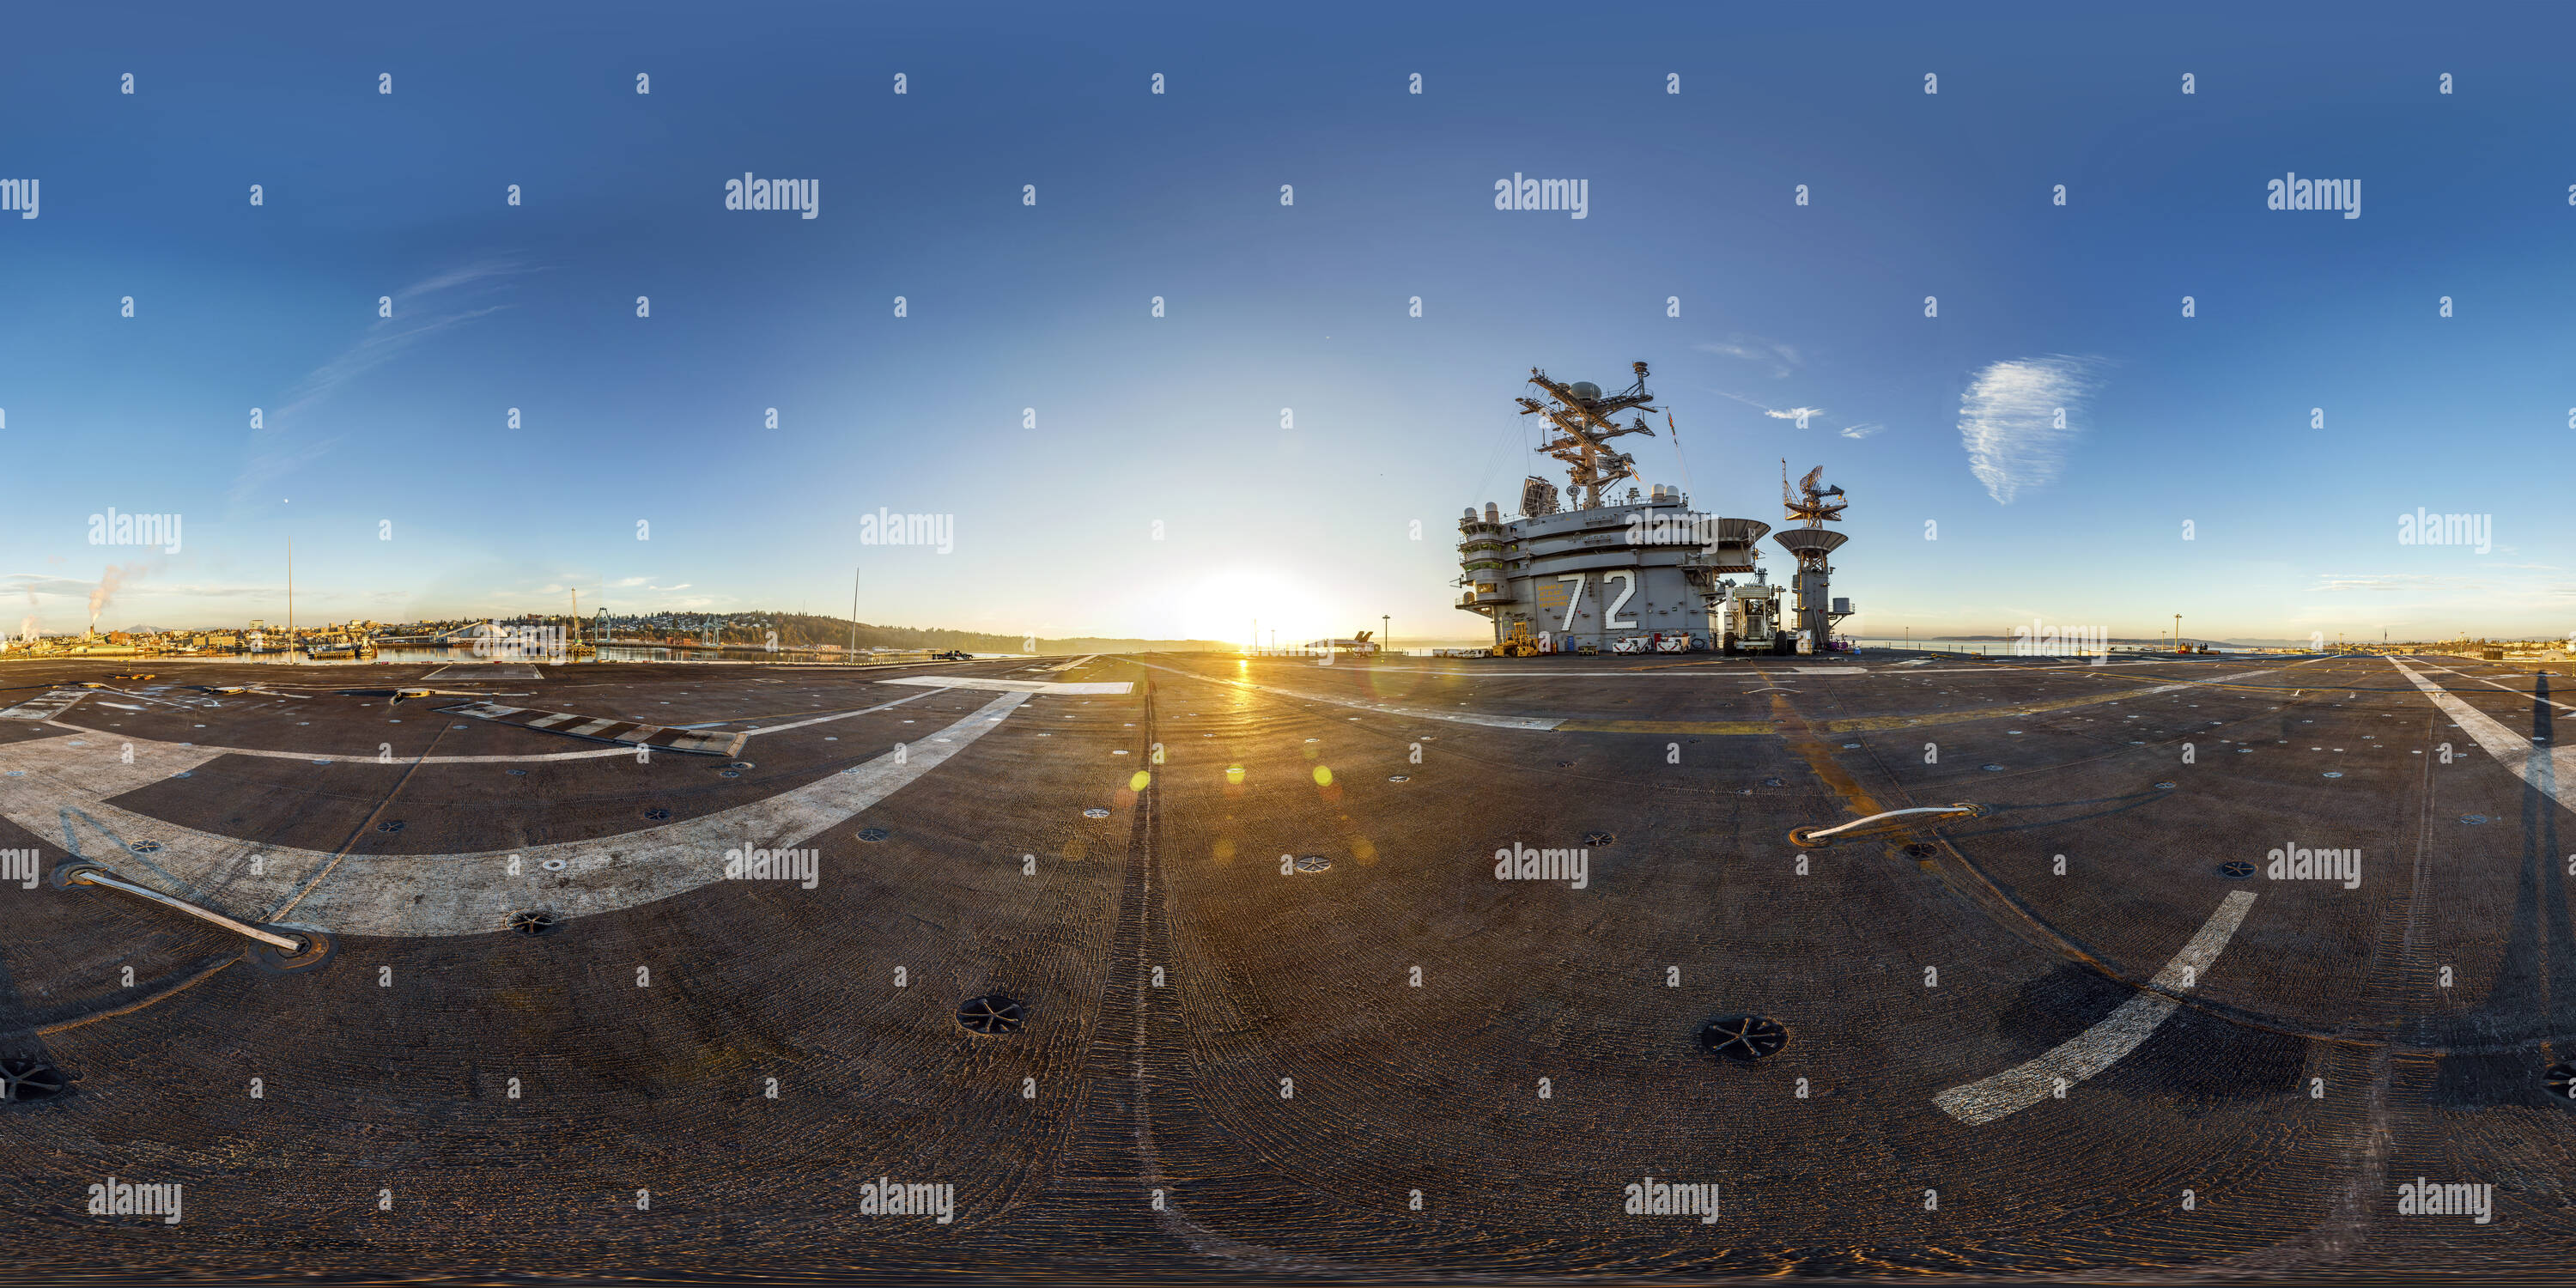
[(66, 790), (2506, 687), (843, 715), (144, 697), (587, 728), (2548, 769), (45, 706), (1017, 686), (2102, 1045), (206, 752)]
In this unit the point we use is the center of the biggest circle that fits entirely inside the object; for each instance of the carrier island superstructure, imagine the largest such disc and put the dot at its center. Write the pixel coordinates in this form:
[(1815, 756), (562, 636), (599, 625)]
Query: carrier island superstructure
[(1646, 573)]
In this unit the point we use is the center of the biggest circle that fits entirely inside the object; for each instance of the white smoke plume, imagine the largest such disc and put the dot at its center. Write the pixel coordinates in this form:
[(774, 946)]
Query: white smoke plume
[(109, 582)]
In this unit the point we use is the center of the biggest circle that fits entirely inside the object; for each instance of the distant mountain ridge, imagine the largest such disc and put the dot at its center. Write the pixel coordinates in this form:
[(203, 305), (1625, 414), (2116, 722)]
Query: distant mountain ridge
[(805, 631)]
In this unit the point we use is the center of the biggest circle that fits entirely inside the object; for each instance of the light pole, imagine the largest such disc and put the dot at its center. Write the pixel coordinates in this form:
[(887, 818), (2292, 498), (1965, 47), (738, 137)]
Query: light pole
[(1382, 641)]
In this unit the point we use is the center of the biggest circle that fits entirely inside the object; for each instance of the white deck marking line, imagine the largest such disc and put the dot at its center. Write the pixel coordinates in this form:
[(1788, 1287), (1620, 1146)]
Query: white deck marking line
[(2506, 687), (2546, 768), (45, 706), (204, 752), (2102, 1045), (1072, 664), (66, 792), (1087, 687), (842, 715), (141, 697)]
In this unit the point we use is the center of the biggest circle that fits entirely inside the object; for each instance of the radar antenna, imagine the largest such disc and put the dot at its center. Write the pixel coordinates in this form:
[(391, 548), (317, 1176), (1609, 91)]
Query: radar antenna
[(1808, 502), (1814, 545)]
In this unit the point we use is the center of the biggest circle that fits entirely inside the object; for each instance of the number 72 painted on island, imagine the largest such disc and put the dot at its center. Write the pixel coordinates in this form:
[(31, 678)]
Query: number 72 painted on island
[(1627, 579)]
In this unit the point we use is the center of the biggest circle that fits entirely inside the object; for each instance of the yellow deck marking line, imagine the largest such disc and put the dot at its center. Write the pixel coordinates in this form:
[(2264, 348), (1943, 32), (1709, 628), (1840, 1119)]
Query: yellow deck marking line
[(1820, 760), (1721, 728)]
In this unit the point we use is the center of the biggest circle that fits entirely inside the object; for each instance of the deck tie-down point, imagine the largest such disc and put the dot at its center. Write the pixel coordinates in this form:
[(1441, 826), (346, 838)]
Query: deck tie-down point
[(1895, 820), (282, 948)]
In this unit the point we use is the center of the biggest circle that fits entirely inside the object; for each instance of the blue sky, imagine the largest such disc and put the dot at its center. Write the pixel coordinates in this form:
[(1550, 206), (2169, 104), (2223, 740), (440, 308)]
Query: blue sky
[(1305, 307)]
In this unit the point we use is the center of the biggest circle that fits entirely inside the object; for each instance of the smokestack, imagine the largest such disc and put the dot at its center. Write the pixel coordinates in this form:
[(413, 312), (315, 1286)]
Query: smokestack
[(109, 582)]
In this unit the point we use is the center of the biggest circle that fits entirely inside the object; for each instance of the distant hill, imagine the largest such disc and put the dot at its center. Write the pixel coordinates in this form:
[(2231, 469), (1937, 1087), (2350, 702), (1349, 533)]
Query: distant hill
[(800, 630)]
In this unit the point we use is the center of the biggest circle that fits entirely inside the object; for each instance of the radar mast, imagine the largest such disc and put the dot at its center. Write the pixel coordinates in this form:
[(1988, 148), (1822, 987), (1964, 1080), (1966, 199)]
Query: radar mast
[(1582, 416)]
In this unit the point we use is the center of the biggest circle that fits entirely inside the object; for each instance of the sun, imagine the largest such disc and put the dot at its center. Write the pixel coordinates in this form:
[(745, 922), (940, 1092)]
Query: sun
[(1224, 604)]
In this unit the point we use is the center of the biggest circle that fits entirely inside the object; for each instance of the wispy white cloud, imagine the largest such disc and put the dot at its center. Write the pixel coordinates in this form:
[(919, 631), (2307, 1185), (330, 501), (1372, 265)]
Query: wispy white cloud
[(1803, 414), (278, 448), (624, 582), (1749, 402), (32, 584), (1779, 359), (2019, 417), (2387, 581)]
